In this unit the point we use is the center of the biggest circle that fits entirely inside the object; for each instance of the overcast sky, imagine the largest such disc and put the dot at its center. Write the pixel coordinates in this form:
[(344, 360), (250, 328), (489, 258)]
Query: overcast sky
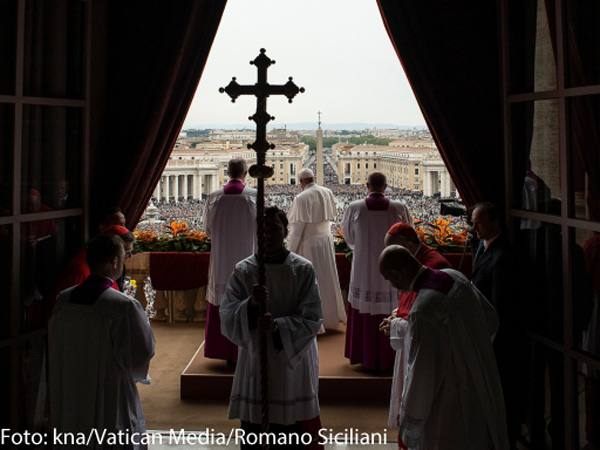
[(338, 50)]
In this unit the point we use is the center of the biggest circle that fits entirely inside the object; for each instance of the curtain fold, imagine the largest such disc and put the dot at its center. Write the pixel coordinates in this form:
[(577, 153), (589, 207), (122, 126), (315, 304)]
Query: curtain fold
[(583, 68), (450, 55), (155, 56)]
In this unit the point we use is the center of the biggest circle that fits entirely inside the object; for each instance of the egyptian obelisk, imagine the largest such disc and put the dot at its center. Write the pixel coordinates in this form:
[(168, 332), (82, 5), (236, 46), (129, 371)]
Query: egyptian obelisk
[(320, 177)]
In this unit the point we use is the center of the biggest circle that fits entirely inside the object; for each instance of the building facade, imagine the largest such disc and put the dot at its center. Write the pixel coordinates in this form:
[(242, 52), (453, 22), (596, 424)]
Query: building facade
[(411, 165), (192, 173)]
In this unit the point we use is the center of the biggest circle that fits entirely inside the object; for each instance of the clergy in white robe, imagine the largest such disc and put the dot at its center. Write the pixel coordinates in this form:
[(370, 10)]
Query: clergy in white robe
[(397, 324), (295, 308), (371, 298), (229, 219), (452, 397), (310, 236), (100, 344), (400, 342)]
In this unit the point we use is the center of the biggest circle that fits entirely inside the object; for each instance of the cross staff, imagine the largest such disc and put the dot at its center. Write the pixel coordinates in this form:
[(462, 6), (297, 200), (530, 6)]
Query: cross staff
[(262, 90)]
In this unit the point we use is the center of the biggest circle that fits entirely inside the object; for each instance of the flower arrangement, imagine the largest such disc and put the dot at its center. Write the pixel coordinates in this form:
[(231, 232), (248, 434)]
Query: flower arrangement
[(340, 245), (177, 237), (443, 235), (150, 294), (129, 286)]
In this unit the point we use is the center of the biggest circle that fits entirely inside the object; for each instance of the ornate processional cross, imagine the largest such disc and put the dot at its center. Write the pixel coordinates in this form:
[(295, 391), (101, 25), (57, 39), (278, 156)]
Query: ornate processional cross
[(262, 90)]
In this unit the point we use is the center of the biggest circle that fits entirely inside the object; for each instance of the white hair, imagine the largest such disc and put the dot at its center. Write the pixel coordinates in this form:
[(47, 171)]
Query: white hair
[(306, 173)]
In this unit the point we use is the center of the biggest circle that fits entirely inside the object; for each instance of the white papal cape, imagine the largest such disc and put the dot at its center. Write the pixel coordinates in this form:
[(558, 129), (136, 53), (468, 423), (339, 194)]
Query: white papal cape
[(97, 353), (364, 231), (310, 236), (230, 222), (452, 397), (294, 370)]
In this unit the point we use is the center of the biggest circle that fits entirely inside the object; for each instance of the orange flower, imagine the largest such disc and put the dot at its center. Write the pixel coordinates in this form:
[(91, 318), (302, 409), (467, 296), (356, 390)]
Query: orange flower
[(199, 235), (145, 236), (439, 233), (178, 229)]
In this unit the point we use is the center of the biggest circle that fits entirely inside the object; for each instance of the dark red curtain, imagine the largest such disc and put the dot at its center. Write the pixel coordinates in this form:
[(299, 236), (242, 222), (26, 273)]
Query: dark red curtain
[(155, 55), (450, 54), (583, 68)]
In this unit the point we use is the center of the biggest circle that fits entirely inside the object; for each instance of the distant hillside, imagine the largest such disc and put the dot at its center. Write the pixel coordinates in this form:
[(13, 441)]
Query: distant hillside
[(350, 126), (310, 126)]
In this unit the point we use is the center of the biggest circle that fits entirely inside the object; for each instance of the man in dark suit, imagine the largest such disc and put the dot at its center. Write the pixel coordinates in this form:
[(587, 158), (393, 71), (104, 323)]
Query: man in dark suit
[(495, 275), (492, 265)]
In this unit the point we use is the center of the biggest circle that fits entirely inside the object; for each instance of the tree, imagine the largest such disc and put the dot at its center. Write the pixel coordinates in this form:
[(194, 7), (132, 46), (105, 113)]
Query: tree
[(310, 141)]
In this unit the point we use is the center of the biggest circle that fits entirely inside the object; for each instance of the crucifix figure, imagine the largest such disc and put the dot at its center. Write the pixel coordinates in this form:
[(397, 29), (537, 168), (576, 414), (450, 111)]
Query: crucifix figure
[(262, 90)]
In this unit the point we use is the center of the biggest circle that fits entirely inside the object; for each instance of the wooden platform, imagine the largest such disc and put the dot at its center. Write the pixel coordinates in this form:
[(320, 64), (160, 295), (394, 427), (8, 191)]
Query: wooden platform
[(210, 379)]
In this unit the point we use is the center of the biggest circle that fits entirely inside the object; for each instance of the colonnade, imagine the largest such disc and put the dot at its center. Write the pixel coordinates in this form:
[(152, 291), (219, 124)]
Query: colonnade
[(435, 180), (182, 186)]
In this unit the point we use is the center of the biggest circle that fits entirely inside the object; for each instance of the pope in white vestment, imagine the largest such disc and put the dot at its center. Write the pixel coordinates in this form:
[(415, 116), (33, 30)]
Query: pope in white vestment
[(310, 236), (100, 344), (229, 219)]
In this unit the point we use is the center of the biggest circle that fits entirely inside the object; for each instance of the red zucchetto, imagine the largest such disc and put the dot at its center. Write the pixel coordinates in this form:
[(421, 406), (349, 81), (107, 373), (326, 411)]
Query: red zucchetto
[(117, 230), (402, 229)]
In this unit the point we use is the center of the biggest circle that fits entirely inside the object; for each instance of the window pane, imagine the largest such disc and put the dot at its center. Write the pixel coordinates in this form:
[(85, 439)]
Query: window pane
[(584, 135), (33, 389), (47, 245), (582, 42), (51, 157), (6, 158), (5, 388), (54, 48), (586, 291), (533, 64), (536, 158), (5, 279), (543, 398), (541, 252), (8, 39), (588, 399)]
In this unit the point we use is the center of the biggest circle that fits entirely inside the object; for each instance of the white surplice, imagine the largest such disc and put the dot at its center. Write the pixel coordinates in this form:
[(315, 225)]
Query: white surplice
[(400, 341), (452, 397), (310, 236), (364, 232), (97, 353), (294, 370), (230, 222)]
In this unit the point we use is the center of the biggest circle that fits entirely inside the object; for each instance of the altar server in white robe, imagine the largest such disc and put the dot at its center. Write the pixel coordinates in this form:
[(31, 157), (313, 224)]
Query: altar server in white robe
[(100, 344), (452, 397), (293, 321), (310, 236), (229, 219), (371, 299)]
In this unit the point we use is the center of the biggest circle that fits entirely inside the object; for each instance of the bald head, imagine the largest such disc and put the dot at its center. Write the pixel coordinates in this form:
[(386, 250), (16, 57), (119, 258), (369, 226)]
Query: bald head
[(114, 216), (377, 182), (399, 266)]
